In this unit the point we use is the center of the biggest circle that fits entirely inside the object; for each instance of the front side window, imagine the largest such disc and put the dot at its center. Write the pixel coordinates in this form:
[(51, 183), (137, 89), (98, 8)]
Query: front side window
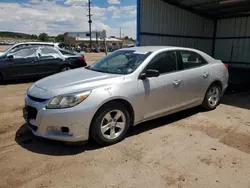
[(191, 59), (25, 53), (120, 62), (164, 62)]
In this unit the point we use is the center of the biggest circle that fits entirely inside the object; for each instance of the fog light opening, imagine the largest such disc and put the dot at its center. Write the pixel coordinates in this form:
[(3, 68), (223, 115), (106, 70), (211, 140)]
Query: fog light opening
[(65, 129)]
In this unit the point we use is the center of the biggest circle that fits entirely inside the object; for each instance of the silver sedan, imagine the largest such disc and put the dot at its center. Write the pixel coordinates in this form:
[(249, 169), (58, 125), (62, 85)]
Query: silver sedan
[(123, 89)]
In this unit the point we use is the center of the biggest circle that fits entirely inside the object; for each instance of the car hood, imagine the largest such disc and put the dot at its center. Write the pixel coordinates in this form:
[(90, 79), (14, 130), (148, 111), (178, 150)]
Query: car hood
[(72, 81)]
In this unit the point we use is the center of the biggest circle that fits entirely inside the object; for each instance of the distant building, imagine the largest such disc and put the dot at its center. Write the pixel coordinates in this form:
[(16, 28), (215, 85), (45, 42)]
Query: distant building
[(83, 38)]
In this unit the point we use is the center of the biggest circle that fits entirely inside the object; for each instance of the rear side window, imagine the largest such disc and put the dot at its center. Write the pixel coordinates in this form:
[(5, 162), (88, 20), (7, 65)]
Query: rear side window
[(48, 51), (191, 59), (65, 52), (164, 62)]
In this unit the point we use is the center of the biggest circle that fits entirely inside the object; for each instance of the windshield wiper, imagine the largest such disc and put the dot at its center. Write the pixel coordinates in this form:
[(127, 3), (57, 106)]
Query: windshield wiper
[(89, 68)]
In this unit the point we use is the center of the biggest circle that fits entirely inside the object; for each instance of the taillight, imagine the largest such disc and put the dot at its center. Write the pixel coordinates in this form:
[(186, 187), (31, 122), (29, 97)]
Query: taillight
[(226, 65), (81, 59)]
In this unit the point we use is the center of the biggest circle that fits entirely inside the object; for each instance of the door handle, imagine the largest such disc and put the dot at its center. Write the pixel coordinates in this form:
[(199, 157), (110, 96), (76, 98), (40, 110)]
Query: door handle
[(176, 82), (205, 75)]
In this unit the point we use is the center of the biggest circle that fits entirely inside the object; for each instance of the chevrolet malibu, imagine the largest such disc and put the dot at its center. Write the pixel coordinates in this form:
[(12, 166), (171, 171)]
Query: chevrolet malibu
[(125, 88)]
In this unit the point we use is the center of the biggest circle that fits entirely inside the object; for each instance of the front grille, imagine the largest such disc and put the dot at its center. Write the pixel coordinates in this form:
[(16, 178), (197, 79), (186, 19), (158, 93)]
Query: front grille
[(31, 112), (36, 99), (33, 127)]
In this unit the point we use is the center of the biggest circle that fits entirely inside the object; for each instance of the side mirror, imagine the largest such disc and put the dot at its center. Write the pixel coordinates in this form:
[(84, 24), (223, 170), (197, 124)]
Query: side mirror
[(10, 57), (150, 73)]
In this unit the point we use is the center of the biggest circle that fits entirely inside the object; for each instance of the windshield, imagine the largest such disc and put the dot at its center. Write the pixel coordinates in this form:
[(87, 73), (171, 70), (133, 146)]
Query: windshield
[(8, 49), (120, 62)]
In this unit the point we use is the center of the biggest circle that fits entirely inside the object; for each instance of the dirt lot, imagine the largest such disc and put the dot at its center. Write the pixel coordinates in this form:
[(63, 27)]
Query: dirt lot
[(3, 47), (187, 149)]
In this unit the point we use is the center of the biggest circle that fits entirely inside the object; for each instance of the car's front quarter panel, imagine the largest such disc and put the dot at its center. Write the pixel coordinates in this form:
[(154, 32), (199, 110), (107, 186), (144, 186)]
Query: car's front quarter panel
[(127, 91)]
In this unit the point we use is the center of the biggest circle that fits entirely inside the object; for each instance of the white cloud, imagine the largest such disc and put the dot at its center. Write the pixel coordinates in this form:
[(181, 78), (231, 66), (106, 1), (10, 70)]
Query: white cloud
[(40, 1), (76, 2), (53, 18), (112, 2), (123, 11)]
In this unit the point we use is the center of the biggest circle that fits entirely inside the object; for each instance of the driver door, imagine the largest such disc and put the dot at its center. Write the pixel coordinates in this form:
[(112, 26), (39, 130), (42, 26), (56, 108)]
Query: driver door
[(160, 94), (22, 63)]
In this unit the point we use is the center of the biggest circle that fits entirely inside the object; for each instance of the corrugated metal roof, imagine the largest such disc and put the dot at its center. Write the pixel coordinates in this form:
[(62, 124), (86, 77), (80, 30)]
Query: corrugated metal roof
[(172, 20), (215, 9)]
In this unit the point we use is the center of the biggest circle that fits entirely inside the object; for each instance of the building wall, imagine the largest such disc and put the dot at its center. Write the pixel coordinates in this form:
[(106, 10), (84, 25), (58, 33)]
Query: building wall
[(233, 40), (83, 34), (164, 24)]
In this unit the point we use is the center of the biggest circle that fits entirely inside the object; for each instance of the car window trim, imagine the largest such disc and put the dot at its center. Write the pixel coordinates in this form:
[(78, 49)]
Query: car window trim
[(179, 51)]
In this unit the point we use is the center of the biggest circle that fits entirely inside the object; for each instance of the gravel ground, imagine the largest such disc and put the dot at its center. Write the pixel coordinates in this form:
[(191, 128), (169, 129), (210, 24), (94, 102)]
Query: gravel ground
[(188, 149)]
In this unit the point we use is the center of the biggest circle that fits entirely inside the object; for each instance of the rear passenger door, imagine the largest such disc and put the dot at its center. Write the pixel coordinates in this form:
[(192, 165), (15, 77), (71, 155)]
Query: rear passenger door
[(195, 77), (49, 61)]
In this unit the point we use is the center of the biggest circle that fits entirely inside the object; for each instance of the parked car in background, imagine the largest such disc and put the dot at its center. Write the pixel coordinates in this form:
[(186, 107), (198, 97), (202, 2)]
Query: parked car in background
[(37, 61), (14, 47), (124, 88)]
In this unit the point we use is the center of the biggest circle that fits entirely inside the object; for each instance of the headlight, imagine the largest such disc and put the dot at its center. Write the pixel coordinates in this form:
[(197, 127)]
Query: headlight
[(28, 88), (67, 101)]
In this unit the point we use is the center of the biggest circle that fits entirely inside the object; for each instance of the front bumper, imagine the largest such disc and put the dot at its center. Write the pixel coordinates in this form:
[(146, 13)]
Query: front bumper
[(76, 119)]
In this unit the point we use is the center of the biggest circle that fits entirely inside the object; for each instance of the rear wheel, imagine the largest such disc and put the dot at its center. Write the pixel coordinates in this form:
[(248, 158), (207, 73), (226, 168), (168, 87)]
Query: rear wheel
[(212, 97), (65, 68), (1, 78), (110, 124)]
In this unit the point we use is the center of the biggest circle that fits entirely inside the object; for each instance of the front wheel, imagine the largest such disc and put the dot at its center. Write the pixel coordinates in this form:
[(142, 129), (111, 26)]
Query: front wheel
[(212, 97), (110, 124)]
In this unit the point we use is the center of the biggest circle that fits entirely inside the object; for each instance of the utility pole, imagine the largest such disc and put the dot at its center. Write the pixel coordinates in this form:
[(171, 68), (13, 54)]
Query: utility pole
[(120, 32), (90, 22), (96, 35)]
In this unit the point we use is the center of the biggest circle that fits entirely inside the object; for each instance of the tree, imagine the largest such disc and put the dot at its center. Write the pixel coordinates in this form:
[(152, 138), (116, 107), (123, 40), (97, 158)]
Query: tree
[(59, 38), (126, 38), (43, 37), (33, 37)]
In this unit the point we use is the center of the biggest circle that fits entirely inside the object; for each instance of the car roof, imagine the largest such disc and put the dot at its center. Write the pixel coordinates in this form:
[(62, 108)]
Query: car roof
[(144, 49), (49, 43), (31, 47)]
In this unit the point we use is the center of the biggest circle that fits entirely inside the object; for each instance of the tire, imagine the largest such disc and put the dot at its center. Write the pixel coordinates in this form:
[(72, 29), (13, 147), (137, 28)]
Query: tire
[(212, 97), (65, 68), (105, 128), (1, 78)]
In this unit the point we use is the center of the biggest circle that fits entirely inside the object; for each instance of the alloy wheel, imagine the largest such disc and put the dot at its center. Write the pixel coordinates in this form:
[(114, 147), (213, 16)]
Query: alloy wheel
[(113, 124), (213, 96), (65, 69)]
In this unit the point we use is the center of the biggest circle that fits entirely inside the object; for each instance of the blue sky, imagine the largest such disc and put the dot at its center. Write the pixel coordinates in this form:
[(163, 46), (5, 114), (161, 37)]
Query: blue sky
[(59, 16)]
